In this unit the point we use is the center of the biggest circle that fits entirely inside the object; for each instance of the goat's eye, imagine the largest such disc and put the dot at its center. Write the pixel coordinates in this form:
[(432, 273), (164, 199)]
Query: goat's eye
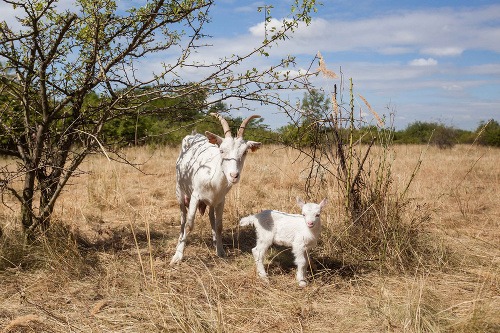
[(221, 151), (317, 215)]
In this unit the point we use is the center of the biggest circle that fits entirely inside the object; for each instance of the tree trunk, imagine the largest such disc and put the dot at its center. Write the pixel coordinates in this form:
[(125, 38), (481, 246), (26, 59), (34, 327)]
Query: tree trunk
[(27, 205), (48, 187)]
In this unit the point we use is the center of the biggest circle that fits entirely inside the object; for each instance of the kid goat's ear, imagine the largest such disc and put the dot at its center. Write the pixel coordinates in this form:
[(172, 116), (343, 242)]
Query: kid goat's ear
[(300, 202), (323, 203)]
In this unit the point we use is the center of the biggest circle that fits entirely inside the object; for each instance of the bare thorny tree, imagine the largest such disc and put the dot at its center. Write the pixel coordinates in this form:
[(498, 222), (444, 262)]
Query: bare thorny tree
[(381, 224), (331, 141), (53, 59)]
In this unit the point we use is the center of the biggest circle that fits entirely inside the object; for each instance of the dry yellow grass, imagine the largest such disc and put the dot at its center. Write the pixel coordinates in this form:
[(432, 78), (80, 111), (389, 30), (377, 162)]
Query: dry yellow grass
[(127, 222)]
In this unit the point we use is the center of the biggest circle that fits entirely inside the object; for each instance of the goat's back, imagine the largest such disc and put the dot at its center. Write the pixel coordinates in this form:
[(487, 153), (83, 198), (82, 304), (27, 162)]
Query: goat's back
[(282, 228), (196, 151), (198, 169), (268, 219)]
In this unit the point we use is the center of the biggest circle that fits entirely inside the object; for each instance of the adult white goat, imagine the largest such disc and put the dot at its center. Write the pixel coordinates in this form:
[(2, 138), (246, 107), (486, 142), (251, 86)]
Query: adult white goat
[(207, 167), (300, 231)]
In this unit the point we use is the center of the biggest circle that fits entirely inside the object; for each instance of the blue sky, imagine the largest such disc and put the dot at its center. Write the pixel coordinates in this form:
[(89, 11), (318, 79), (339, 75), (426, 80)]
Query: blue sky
[(424, 60)]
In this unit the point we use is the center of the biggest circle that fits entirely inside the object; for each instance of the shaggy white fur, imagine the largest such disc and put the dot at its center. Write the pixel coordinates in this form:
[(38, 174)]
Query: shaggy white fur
[(207, 167), (299, 231)]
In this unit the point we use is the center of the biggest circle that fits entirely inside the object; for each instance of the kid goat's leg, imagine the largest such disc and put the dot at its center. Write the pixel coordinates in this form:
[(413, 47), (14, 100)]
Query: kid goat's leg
[(259, 251), (301, 262)]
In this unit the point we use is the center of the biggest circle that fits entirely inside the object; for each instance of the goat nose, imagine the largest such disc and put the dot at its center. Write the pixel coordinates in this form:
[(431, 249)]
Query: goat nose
[(234, 174)]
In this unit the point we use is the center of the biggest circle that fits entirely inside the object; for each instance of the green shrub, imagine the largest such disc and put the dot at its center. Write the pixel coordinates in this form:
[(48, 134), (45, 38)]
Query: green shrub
[(489, 133), (436, 134)]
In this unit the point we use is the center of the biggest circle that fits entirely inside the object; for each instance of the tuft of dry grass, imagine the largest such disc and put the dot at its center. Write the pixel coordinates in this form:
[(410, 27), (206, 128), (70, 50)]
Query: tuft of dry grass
[(323, 69), (104, 266), (27, 323), (380, 122)]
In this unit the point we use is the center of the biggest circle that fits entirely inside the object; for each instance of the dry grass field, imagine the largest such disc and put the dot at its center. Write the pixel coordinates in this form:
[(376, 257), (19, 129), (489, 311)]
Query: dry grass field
[(104, 267)]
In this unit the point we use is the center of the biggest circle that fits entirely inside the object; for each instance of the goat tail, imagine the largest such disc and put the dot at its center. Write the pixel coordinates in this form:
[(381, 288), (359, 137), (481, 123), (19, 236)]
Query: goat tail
[(248, 220)]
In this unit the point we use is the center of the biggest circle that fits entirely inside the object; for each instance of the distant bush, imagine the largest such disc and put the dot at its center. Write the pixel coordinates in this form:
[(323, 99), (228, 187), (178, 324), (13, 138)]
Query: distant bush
[(444, 137), (436, 134), (465, 137), (489, 133)]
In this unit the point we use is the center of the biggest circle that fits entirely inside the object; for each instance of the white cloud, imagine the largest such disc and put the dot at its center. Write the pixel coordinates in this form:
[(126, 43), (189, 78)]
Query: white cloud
[(434, 32), (443, 51), (453, 87), (259, 30), (423, 62), (484, 69)]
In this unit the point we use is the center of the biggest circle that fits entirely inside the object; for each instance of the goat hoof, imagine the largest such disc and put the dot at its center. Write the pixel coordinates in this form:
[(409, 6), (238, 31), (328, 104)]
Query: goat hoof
[(176, 259), (264, 278), (302, 283)]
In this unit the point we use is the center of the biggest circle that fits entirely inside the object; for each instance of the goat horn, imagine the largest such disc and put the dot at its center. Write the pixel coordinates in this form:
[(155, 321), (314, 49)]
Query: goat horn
[(244, 124), (225, 125)]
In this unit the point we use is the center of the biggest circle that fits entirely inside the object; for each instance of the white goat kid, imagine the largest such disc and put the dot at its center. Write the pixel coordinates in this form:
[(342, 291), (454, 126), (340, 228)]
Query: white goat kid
[(207, 167), (300, 231)]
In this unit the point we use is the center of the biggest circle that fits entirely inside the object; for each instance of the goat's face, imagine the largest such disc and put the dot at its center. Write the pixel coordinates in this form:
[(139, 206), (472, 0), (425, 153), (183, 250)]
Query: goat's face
[(311, 212), (233, 152)]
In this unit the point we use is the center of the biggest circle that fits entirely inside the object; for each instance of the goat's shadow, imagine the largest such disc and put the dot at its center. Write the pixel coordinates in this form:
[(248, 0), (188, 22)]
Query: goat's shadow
[(115, 239), (237, 241), (244, 239)]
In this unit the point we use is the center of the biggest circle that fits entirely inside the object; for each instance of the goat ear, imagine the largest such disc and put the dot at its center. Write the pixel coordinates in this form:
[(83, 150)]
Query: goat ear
[(253, 145), (213, 138), (300, 202), (323, 203)]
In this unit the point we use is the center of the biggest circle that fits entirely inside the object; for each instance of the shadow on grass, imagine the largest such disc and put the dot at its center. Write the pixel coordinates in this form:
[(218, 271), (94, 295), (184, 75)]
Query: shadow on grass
[(106, 238), (282, 261), (236, 241)]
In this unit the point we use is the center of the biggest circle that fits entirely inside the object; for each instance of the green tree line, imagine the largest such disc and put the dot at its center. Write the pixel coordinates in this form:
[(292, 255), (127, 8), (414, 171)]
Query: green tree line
[(314, 123), (169, 129), (166, 120)]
